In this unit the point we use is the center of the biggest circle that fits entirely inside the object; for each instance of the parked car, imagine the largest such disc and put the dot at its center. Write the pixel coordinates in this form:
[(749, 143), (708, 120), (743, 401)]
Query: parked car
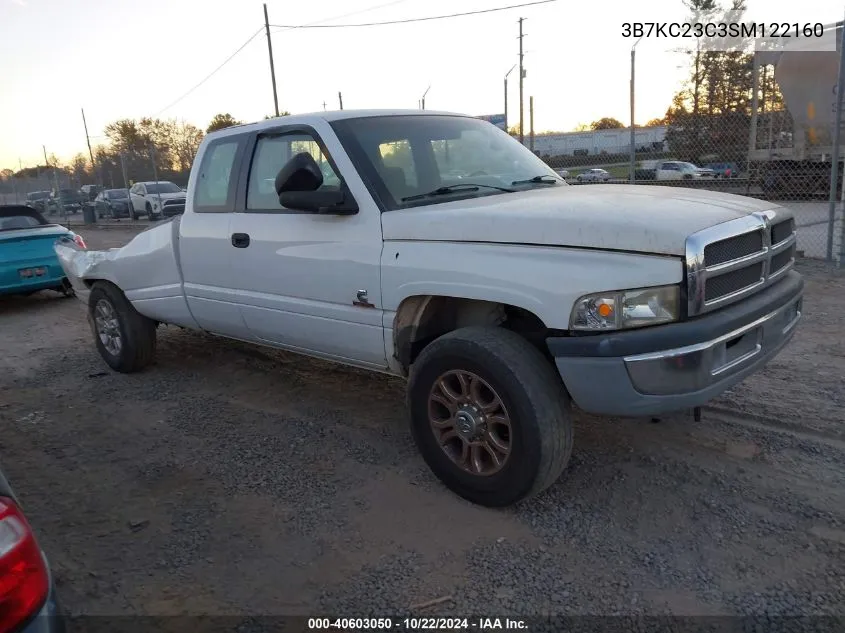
[(724, 170), (499, 297), (563, 173), (65, 201), (38, 200), (90, 191), (156, 199), (112, 203), (593, 175), (28, 599), (27, 260), (679, 170)]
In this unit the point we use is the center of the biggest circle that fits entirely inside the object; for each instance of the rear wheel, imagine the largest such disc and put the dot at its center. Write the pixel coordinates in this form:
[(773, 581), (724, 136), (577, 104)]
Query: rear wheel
[(489, 415), (125, 338)]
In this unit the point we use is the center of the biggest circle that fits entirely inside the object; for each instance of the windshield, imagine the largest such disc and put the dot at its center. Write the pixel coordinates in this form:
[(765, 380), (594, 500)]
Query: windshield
[(687, 166), (117, 193), (38, 195), (68, 193), (162, 187), (407, 156)]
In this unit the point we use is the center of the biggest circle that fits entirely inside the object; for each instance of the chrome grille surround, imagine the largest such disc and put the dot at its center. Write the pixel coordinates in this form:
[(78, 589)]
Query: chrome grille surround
[(699, 301)]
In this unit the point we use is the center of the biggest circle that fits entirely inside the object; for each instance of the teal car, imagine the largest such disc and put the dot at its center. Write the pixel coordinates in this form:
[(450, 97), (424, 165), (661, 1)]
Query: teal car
[(28, 262)]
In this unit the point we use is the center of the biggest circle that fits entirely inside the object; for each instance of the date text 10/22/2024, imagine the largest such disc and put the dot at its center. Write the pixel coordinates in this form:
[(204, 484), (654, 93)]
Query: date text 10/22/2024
[(416, 624)]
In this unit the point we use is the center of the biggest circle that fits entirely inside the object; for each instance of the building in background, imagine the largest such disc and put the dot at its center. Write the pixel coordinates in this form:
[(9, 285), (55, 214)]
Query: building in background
[(648, 139)]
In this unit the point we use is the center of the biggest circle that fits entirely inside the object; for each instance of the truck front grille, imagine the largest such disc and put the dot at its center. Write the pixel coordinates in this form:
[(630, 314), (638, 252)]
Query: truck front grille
[(733, 248), (733, 281), (732, 260)]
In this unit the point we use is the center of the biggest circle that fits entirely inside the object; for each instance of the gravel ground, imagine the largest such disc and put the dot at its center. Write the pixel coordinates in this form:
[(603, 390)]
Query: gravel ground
[(228, 479)]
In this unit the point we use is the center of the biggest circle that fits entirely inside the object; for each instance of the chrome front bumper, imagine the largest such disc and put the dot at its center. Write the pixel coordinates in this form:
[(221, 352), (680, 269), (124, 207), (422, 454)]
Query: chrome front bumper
[(696, 367), (681, 365)]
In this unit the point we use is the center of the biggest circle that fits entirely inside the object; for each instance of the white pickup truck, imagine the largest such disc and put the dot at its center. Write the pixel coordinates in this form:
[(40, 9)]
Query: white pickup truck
[(435, 247)]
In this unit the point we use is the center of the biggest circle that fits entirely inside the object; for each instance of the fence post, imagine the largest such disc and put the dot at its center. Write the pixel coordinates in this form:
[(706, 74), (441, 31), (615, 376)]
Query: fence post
[(834, 162)]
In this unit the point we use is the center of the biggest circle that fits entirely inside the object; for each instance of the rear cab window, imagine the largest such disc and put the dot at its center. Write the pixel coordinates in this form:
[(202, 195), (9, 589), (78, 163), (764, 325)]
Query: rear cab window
[(216, 184)]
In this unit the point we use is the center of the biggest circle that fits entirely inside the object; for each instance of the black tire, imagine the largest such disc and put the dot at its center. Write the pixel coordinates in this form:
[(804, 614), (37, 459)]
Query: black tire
[(137, 332), (149, 209), (533, 395)]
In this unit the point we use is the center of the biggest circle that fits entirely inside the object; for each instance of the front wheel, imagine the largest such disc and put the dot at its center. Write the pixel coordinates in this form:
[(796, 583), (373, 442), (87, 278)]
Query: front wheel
[(125, 338), (489, 415)]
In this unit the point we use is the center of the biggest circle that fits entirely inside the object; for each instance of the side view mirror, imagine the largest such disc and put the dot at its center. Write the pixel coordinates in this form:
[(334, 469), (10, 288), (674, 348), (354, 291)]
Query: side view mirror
[(298, 184)]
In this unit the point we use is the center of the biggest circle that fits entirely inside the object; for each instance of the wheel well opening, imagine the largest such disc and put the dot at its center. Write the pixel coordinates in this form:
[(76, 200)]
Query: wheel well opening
[(422, 319)]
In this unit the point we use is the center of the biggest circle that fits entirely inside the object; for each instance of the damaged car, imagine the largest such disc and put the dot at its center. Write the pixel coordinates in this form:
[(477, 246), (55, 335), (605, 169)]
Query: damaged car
[(28, 262), (503, 296)]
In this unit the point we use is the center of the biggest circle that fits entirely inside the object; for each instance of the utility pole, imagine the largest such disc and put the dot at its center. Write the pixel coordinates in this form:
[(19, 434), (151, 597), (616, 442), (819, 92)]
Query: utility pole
[(155, 177), (521, 78), (324, 105), (123, 170), (55, 181), (506, 96), (531, 122), (633, 151), (272, 67), (340, 99), (88, 139)]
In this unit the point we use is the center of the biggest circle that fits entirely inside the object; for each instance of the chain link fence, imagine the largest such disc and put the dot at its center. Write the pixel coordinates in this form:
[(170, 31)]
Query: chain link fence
[(82, 198), (760, 124)]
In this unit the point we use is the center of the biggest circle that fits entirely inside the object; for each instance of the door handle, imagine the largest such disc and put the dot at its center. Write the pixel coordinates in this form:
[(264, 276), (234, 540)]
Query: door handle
[(240, 240)]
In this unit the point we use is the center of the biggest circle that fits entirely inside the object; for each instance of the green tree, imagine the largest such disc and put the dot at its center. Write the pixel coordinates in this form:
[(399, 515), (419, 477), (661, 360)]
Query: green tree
[(79, 167), (185, 139), (606, 123), (222, 121), (273, 116), (582, 127), (656, 122)]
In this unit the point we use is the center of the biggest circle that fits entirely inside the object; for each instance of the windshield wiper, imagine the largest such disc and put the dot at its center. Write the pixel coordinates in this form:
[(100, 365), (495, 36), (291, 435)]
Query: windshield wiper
[(461, 186), (544, 179)]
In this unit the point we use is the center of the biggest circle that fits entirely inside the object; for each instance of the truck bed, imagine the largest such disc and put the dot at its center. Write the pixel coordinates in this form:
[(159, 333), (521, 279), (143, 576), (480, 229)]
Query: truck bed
[(147, 270)]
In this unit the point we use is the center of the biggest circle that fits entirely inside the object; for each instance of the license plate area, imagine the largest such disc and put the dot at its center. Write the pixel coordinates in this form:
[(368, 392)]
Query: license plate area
[(30, 273), (729, 354), (790, 316)]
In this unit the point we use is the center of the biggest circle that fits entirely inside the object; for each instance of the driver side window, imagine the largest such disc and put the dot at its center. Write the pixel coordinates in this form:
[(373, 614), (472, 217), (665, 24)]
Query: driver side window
[(272, 152)]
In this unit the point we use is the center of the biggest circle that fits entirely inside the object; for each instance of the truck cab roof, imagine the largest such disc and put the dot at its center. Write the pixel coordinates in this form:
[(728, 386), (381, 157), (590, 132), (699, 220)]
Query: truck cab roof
[(328, 116)]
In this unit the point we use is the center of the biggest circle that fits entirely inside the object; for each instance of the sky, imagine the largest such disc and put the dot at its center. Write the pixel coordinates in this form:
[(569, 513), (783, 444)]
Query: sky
[(130, 59)]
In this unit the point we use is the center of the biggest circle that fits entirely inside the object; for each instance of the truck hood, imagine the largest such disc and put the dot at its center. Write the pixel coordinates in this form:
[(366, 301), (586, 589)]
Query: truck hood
[(636, 218)]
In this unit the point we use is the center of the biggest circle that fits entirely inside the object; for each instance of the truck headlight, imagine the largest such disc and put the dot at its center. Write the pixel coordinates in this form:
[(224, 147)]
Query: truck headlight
[(625, 309)]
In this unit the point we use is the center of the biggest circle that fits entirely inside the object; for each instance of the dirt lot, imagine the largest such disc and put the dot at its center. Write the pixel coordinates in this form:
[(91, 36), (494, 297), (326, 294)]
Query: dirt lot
[(227, 479)]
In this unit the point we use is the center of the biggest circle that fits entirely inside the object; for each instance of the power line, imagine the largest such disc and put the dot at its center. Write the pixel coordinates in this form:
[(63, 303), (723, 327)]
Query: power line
[(212, 73), (358, 12), (253, 36), (406, 21)]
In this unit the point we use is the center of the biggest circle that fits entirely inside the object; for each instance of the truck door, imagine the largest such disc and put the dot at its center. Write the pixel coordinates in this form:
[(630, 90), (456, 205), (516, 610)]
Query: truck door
[(309, 282), (204, 239)]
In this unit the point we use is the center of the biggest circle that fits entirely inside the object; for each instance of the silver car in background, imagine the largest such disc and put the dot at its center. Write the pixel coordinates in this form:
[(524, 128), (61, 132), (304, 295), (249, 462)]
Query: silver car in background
[(593, 175)]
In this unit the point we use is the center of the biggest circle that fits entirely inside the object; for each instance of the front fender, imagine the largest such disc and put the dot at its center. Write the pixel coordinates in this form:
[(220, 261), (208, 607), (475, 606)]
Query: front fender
[(545, 281)]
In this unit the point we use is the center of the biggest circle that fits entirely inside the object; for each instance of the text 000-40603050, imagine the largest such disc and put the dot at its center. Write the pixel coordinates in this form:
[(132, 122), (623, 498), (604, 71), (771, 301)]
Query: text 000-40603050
[(417, 624)]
